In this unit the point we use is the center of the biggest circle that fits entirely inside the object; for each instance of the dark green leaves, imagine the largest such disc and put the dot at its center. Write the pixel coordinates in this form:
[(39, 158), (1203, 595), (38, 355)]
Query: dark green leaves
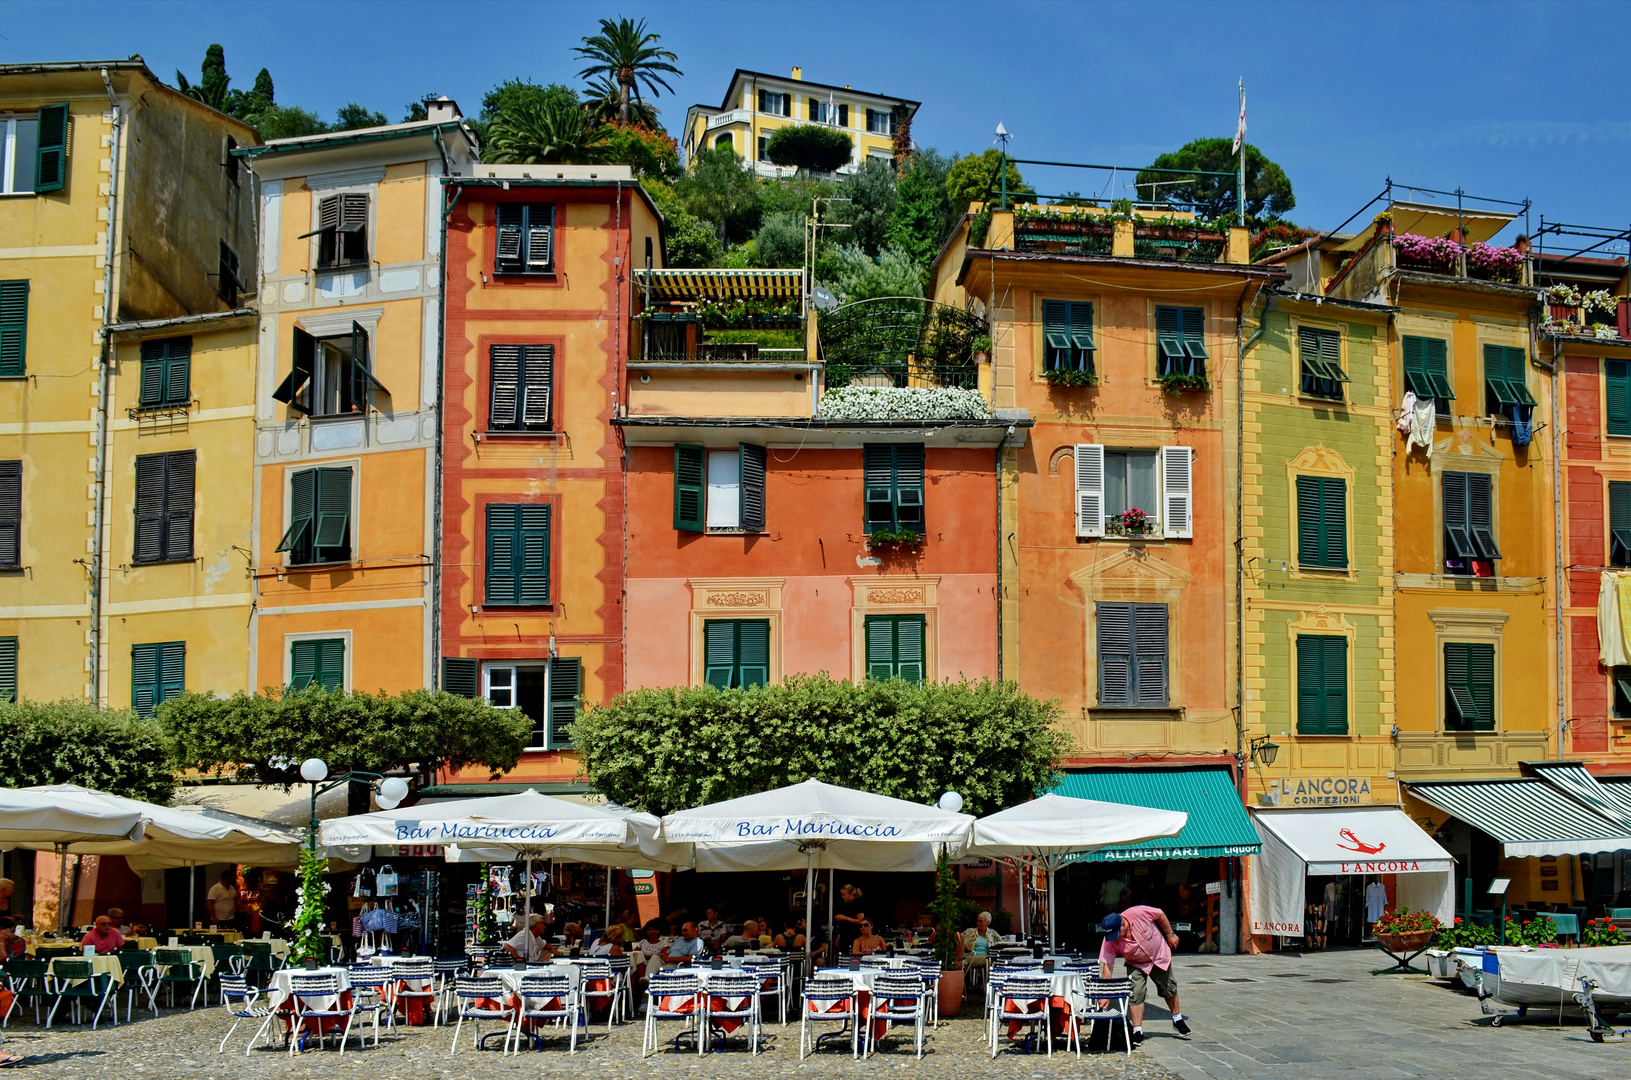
[(72, 742)]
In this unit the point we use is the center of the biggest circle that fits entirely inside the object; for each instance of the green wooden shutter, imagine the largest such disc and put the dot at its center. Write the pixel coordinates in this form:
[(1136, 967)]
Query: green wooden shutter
[(909, 486), (144, 678), (1115, 653), (303, 660), (690, 488), (909, 650), (154, 364), (461, 676), (180, 480), (532, 545), (302, 515), (1427, 370), (1481, 681), (1322, 521), (1322, 685), (880, 647), (331, 663), (719, 653), (150, 470), (1169, 340), (1505, 375), (51, 154), (503, 554), (1616, 395), (1149, 655), (1457, 537), (362, 384), (172, 670), (11, 514), (565, 687), (508, 257), (1056, 334), (1469, 685), (752, 652), (8, 669), (1619, 523), (1481, 516), (753, 487), (331, 535), (1081, 326), (878, 482), (13, 329), (178, 367), (1194, 326), (300, 372)]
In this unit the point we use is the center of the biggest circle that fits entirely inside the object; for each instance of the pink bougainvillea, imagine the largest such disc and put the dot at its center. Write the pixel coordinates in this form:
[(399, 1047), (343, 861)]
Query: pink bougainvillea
[(1433, 251)]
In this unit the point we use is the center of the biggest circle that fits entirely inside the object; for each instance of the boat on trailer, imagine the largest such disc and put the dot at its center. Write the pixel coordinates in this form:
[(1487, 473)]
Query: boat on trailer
[(1523, 978)]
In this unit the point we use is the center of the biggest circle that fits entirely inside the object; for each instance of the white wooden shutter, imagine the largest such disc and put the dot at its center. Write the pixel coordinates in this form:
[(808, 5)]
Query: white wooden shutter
[(1089, 489), (1177, 497)]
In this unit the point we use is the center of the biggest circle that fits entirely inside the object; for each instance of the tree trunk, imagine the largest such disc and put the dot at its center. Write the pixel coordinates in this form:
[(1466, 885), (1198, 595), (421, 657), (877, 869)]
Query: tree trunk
[(622, 100)]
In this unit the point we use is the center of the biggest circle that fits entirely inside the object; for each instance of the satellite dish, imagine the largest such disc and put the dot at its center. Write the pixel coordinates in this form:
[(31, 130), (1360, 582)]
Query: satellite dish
[(822, 299)]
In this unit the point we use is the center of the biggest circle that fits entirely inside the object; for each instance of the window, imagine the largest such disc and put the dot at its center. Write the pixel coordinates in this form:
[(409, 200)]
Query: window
[(736, 653), (880, 121), (893, 481), (546, 693), (319, 517), (1505, 385), (775, 104), (1321, 352), (719, 490), (826, 112), (34, 151), (725, 140), (764, 148), (894, 647), (342, 231), (11, 515), (1619, 677), (227, 277), (1616, 392), (1158, 482), (157, 674), (526, 238), (13, 328), (319, 662), (517, 554), (1619, 523), (1180, 336), (1322, 685), (461, 676), (1133, 655), (1067, 335), (1469, 686), (1322, 521), (521, 387), (330, 376), (1427, 372), (164, 506), (1469, 530), (166, 372), (8, 669)]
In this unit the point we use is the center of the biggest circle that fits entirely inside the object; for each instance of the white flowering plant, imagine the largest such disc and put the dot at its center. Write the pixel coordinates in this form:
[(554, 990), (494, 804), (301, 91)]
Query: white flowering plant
[(1604, 332), (1600, 300), (1563, 295), (903, 403), (306, 928)]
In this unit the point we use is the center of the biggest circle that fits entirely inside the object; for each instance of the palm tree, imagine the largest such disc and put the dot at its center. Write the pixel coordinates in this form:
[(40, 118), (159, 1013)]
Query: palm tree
[(550, 131), (624, 52), (605, 104)]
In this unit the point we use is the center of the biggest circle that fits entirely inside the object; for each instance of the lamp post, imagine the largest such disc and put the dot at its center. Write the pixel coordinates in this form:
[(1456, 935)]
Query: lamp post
[(389, 791)]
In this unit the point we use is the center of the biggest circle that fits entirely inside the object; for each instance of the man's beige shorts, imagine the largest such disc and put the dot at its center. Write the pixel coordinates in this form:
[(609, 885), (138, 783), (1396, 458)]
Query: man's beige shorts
[(1165, 984)]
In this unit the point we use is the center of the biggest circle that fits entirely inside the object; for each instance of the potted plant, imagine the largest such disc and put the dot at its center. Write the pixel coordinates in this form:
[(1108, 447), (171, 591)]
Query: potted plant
[(1562, 302), (1599, 933), (1406, 931), (943, 909), (1130, 522), (307, 945), (1600, 307), (980, 348), (894, 538), (1494, 263), (1069, 377), (1177, 382)]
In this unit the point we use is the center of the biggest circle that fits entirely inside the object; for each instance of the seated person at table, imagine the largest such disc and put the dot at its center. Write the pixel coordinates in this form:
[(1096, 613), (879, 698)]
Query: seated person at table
[(791, 937), (978, 942), (139, 930), (867, 942), (650, 946), (10, 944), (688, 946), (104, 936), (766, 934), (118, 917), (711, 929), (610, 943), (533, 942), (573, 932), (747, 939)]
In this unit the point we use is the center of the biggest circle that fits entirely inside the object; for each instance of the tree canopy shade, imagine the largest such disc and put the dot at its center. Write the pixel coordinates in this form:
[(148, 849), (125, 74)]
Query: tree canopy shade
[(626, 53), (546, 130), (719, 190), (1268, 190), (73, 742), (977, 178), (689, 241), (662, 750), (811, 147)]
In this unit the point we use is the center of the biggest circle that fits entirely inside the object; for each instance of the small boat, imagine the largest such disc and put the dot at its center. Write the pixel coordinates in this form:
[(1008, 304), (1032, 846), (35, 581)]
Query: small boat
[(1523, 978)]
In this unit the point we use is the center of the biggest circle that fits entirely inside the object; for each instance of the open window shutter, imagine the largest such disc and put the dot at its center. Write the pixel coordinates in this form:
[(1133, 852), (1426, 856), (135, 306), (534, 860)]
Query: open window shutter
[(1177, 498), (504, 375), (354, 227), (538, 379), (328, 231), (1168, 324), (1310, 519), (1459, 706), (150, 523), (507, 259), (909, 486), (753, 487), (302, 511), (753, 651), (503, 585), (1115, 654), (461, 676), (1616, 394), (13, 328), (1056, 324), (179, 484), (172, 670), (11, 514), (540, 236), (1415, 368), (1457, 537), (51, 154), (1514, 362), (878, 480), (1081, 326), (909, 663), (762, 102), (719, 653), (1619, 522), (331, 663), (533, 544), (154, 365), (1194, 329), (1089, 489), (1481, 684), (1330, 344), (1150, 654), (1481, 516), (8, 669), (690, 480), (880, 647), (1436, 363), (1334, 520), (144, 678), (333, 525), (363, 383), (300, 371), (565, 687), (302, 664)]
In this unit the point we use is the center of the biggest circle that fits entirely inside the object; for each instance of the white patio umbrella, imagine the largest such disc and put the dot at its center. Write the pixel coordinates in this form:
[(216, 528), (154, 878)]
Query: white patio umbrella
[(823, 826), (35, 820), (1055, 828)]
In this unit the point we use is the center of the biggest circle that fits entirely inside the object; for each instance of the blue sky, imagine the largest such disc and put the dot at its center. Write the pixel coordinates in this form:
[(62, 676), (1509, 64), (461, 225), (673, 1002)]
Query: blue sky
[(1509, 100)]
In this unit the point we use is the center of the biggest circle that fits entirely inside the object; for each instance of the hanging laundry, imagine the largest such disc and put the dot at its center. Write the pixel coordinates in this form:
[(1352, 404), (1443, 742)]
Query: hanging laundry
[(1611, 650), (1375, 900), (1483, 568), (1407, 410), (1423, 423), (1522, 429)]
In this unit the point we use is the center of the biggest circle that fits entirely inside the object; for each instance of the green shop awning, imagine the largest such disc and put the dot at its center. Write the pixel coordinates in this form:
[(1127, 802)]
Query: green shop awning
[(1217, 826)]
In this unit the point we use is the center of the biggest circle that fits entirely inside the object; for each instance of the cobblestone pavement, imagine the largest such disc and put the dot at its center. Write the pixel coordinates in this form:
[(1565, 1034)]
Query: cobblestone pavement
[(1285, 1017), (182, 1044)]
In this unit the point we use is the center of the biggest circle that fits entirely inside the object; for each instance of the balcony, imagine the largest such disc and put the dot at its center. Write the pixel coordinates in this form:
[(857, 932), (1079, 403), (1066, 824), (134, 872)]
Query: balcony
[(902, 341), (720, 319), (1138, 232), (1425, 240)]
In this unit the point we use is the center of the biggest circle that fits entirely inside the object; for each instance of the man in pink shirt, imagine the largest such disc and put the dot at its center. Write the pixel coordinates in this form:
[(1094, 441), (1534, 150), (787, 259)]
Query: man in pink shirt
[(1143, 937), (104, 936)]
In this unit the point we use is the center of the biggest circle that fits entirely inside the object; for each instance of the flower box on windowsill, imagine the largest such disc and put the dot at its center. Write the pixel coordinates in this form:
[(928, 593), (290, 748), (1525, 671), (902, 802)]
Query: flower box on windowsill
[(1069, 377), (1178, 383), (893, 539), (1115, 527)]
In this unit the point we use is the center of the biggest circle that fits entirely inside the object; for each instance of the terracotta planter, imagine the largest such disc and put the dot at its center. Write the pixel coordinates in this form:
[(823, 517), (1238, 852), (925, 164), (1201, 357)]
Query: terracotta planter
[(1405, 943), (950, 993)]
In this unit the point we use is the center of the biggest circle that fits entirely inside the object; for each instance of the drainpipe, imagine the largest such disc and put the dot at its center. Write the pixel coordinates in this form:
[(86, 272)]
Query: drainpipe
[(1557, 542), (1000, 443), (1240, 522), (441, 382), (98, 565)]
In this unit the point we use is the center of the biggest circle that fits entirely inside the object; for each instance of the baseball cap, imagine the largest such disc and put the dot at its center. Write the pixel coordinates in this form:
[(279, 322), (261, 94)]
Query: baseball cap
[(1111, 926)]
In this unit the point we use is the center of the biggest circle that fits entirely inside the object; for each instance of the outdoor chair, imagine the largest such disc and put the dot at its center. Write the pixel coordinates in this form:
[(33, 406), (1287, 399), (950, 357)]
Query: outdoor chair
[(875, 961), (897, 999), (229, 959), (671, 995), (597, 985), (448, 969), (176, 967), (772, 979), (259, 962), (422, 972), (317, 998), (478, 998), (1023, 1001), (241, 1002), (26, 979), (731, 997), (828, 1000), (928, 970), (544, 998), (140, 975), (1101, 999), (373, 991), (623, 983), (74, 980)]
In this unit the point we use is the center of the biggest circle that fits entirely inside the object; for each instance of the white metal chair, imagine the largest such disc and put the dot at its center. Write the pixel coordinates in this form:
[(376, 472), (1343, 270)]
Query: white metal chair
[(372, 991), (623, 983), (1023, 1001), (828, 1000), (1101, 999), (732, 997), (897, 999), (483, 997), (544, 998), (597, 985), (929, 970), (317, 997), (422, 972), (671, 995), (73, 980), (448, 969), (772, 978), (241, 1003)]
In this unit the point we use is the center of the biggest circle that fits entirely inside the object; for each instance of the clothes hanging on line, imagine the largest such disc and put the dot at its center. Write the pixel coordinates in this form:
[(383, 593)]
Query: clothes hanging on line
[(1522, 427), (1423, 425), (1611, 645), (1407, 411)]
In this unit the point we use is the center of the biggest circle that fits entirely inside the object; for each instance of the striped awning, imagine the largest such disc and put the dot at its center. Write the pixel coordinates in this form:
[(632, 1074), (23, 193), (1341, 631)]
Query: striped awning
[(721, 284), (1580, 785), (1528, 816)]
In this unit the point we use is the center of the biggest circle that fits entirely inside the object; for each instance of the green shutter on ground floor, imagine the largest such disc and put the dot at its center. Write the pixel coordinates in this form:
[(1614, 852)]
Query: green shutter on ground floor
[(894, 647), (320, 661)]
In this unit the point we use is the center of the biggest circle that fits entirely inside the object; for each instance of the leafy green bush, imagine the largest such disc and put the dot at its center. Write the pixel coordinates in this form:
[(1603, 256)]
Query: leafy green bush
[(810, 147), (75, 742), (1070, 377), (1600, 932)]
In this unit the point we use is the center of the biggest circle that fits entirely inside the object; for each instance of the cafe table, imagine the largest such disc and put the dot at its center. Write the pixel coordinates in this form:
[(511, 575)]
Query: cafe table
[(281, 987), (105, 964)]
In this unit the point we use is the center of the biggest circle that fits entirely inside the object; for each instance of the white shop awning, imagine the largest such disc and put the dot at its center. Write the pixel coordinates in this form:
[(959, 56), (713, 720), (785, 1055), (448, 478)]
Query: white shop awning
[(1356, 840)]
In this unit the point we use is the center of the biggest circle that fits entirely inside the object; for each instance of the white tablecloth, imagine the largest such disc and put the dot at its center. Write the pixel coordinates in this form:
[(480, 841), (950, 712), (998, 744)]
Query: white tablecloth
[(282, 981)]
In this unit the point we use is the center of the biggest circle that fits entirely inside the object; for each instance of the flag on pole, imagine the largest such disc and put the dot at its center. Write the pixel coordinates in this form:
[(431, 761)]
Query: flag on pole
[(1240, 131)]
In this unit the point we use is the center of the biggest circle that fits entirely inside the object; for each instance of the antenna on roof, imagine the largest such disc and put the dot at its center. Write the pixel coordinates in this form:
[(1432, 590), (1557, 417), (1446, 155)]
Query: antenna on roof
[(1002, 165)]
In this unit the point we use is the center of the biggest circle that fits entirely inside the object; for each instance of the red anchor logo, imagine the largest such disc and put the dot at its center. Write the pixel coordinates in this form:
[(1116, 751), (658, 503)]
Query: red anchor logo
[(1358, 844)]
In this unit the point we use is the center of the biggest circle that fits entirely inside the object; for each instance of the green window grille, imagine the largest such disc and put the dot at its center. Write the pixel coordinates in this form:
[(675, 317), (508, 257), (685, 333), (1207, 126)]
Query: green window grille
[(1617, 396), (1067, 334), (1620, 678), (320, 661), (51, 151), (461, 676), (8, 669), (1321, 354), (521, 387), (158, 672), (526, 238), (1180, 341), (1619, 523), (1132, 655), (1504, 377), (166, 372), (736, 653), (1469, 520), (1469, 686), (164, 506), (565, 690), (895, 647), (319, 517), (893, 482), (1427, 372), (1322, 685), (13, 329), (11, 515), (1322, 521), (517, 554)]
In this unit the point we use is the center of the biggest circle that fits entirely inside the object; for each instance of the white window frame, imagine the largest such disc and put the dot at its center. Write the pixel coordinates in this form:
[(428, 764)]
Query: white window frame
[(513, 667), (1089, 490), (316, 635), (722, 495), (8, 159)]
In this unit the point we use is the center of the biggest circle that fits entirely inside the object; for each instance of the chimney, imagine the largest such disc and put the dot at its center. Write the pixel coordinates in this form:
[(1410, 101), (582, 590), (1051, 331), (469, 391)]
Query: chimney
[(444, 109), (798, 73)]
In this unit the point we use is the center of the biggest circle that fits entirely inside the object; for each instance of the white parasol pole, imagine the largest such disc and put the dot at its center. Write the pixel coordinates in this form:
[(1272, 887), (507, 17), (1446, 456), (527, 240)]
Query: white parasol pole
[(1051, 869), (609, 872), (192, 894), (809, 906), (62, 887), (832, 942), (526, 900)]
